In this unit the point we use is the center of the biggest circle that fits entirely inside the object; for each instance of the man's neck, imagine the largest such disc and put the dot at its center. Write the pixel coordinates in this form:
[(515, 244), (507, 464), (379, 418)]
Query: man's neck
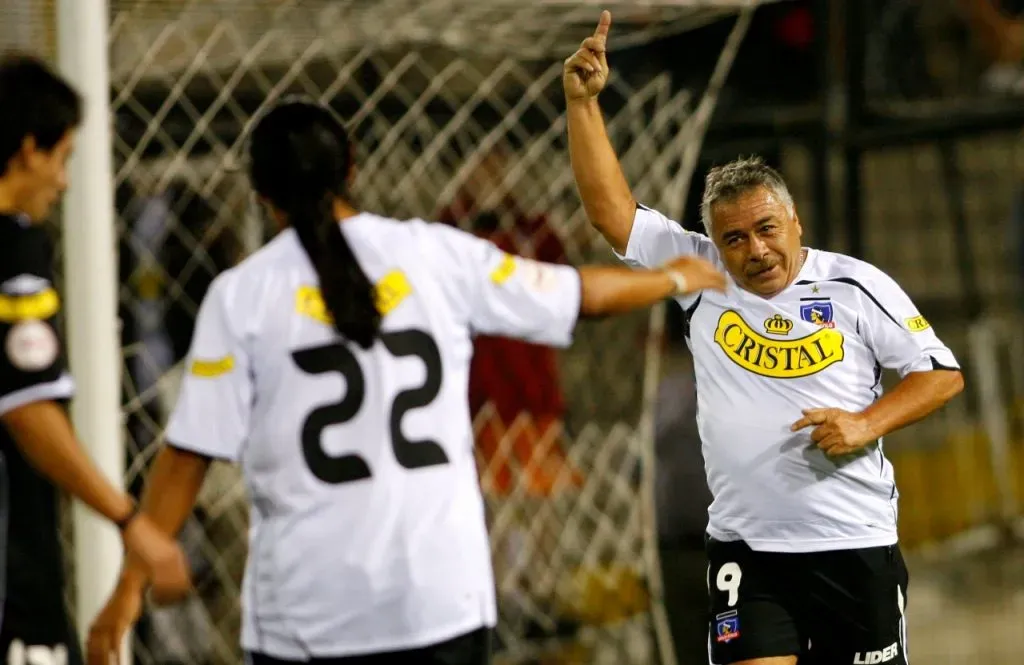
[(343, 210)]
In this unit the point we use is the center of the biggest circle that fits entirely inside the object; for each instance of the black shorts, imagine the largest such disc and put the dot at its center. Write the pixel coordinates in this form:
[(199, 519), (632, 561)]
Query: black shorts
[(470, 649), (843, 606), (44, 638)]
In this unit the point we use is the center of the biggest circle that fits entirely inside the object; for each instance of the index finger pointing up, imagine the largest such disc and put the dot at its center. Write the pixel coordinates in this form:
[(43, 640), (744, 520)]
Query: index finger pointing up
[(603, 25)]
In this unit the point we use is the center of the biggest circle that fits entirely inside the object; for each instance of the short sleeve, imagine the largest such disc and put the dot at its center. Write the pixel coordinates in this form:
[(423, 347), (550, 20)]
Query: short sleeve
[(655, 239), (33, 367), (899, 336), (214, 405), (501, 294)]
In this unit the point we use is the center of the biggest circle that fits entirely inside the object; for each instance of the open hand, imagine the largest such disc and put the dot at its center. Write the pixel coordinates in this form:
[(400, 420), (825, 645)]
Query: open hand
[(586, 71), (837, 432)]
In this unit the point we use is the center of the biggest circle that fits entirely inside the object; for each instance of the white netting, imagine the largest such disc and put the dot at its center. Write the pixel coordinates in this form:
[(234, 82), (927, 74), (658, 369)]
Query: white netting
[(456, 106)]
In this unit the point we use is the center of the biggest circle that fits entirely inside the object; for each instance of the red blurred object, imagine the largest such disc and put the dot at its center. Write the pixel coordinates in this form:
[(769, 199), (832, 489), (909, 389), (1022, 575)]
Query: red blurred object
[(520, 380), (796, 29), (515, 376)]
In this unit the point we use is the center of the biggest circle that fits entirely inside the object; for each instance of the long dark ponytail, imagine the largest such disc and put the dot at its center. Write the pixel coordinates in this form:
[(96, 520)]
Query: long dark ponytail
[(299, 161)]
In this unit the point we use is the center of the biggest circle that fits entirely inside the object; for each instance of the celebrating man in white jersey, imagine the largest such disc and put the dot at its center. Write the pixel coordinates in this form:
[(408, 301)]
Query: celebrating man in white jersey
[(333, 365), (802, 536)]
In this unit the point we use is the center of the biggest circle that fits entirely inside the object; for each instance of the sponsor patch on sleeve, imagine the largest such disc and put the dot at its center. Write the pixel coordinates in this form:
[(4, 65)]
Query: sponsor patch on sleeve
[(209, 369), (505, 270), (917, 324)]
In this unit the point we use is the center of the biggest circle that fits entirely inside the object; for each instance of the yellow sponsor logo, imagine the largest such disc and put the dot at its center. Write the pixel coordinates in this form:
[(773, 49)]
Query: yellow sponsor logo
[(504, 271), (917, 324), (209, 369), (40, 306), (392, 289), (309, 302), (778, 325), (777, 359)]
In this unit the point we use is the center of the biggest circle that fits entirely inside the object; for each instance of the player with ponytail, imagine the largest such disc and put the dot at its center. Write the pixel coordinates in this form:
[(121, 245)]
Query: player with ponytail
[(300, 161)]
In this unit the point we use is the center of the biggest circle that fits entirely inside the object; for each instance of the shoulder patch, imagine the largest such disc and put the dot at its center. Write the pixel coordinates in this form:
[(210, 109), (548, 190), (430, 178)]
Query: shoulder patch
[(505, 269), (209, 369), (31, 345), (541, 277), (917, 324)]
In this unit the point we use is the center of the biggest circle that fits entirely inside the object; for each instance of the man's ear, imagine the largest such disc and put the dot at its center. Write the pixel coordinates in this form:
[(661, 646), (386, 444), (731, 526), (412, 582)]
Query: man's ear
[(27, 152)]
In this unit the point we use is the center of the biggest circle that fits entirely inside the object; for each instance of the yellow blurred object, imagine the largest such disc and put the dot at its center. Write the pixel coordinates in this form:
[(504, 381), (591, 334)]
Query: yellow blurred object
[(571, 654), (604, 595), (950, 488)]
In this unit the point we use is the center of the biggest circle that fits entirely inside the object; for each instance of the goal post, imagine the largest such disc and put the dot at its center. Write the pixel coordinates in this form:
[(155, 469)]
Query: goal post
[(90, 296), (432, 91)]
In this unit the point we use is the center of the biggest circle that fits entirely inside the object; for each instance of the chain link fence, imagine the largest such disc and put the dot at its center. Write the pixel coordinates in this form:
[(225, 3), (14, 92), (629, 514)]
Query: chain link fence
[(456, 111)]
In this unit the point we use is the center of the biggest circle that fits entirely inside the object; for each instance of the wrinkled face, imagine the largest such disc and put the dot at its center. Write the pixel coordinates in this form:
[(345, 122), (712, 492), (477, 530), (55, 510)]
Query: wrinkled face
[(759, 241), (42, 176)]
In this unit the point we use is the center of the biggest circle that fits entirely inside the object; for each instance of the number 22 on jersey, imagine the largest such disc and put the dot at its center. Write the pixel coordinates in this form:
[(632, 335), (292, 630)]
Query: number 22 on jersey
[(336, 357)]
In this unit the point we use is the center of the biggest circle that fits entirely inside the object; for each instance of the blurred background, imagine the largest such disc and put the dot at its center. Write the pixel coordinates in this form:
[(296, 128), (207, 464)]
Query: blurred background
[(897, 124)]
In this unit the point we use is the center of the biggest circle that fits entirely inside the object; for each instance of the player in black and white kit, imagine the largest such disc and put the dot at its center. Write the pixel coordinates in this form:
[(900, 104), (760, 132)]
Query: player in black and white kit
[(38, 116), (804, 561), (333, 366)]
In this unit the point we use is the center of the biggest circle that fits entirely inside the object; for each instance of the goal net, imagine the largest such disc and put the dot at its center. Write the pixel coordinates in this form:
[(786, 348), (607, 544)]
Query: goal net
[(457, 112)]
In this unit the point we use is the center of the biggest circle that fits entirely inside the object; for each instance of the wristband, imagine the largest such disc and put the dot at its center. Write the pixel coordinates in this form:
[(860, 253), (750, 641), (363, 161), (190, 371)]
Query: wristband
[(679, 281), (123, 523)]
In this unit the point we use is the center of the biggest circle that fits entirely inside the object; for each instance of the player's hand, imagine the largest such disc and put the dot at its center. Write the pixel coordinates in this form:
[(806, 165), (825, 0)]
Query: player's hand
[(162, 557), (585, 72), (106, 634), (837, 432), (699, 273)]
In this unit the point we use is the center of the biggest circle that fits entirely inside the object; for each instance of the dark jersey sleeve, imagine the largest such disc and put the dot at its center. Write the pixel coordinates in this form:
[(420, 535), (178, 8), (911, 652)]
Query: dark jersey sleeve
[(32, 361)]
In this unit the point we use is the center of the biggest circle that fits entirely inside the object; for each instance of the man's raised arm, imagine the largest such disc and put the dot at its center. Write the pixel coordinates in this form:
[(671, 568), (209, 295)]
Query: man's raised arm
[(606, 194)]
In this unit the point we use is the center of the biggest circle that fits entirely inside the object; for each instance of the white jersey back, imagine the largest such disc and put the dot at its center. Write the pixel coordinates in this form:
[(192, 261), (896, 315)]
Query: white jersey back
[(367, 529), (759, 362)]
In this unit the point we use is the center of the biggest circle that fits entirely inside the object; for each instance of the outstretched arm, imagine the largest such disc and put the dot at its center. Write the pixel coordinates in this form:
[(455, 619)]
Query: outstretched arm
[(607, 290), (602, 185)]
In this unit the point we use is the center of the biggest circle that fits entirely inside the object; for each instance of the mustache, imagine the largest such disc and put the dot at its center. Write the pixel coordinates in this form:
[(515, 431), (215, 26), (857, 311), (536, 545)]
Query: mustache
[(754, 267)]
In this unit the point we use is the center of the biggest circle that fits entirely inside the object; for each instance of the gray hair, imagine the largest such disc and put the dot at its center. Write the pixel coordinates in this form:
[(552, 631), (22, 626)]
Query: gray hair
[(727, 183)]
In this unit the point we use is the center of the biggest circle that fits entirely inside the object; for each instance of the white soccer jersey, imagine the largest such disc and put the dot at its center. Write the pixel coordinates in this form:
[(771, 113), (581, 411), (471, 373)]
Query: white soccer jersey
[(367, 529), (759, 362)]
